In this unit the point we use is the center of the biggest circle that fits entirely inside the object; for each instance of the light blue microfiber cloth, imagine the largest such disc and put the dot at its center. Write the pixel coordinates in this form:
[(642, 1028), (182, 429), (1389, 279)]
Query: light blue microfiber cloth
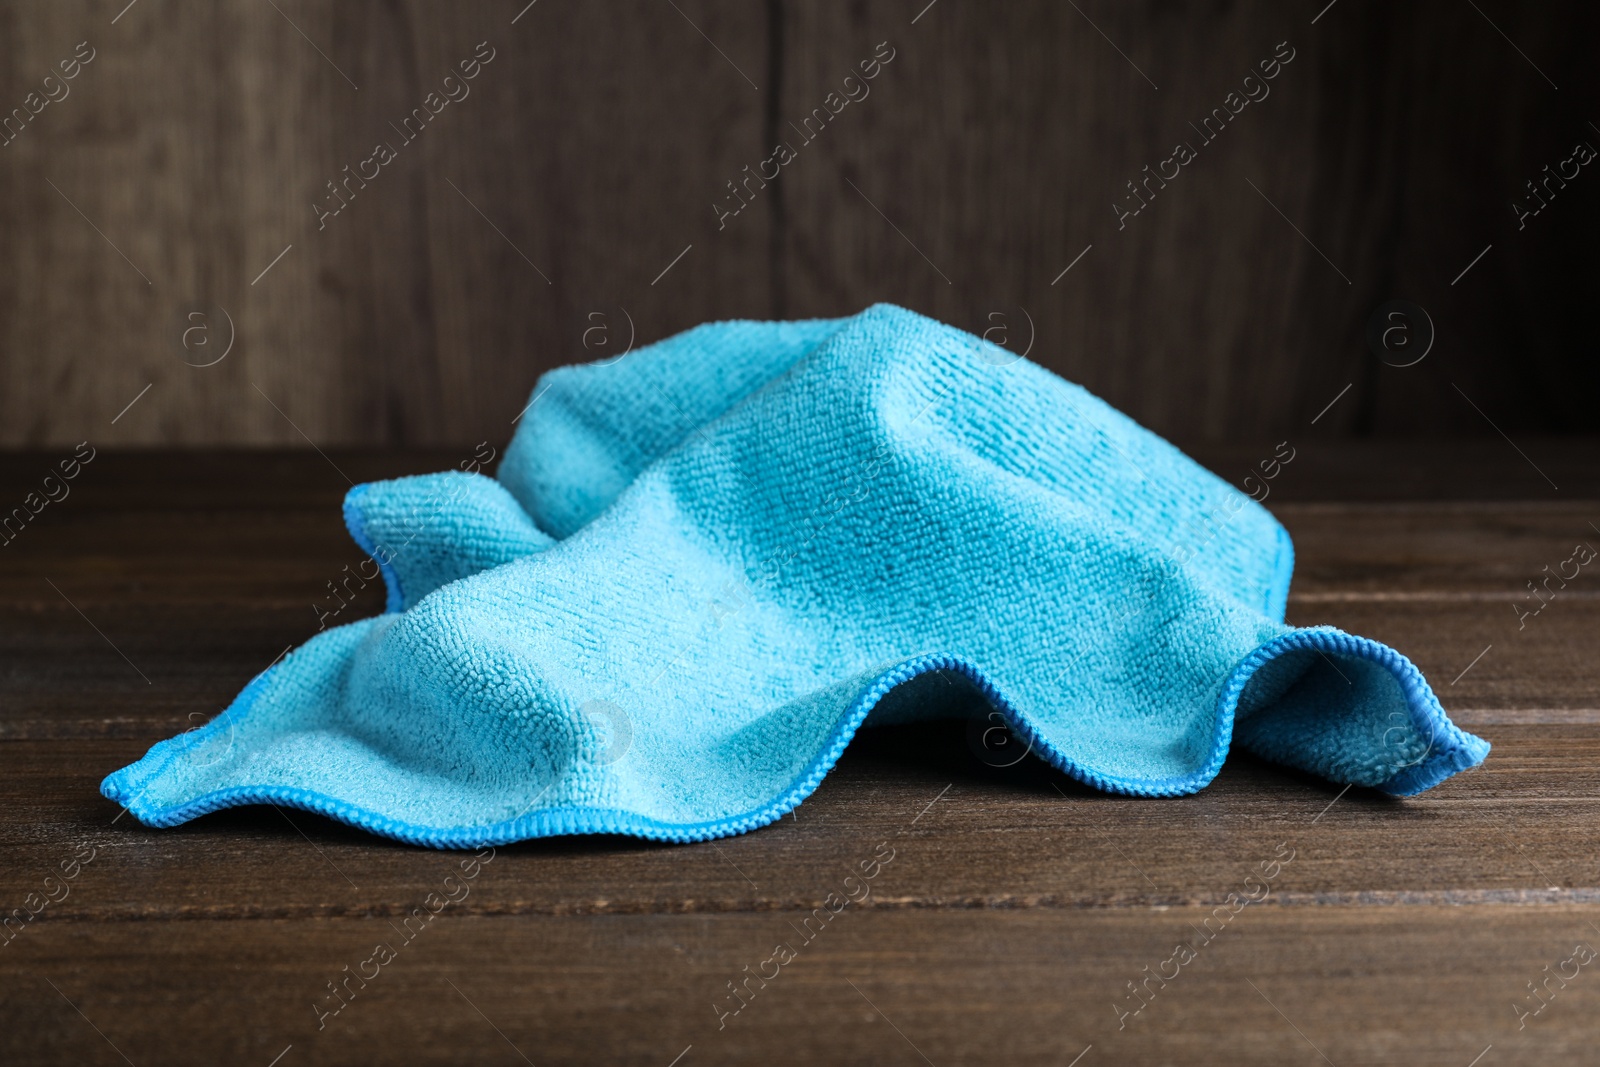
[(702, 567)]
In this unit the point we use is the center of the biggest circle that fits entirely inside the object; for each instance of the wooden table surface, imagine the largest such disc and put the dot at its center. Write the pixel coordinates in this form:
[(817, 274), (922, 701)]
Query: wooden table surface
[(1016, 910)]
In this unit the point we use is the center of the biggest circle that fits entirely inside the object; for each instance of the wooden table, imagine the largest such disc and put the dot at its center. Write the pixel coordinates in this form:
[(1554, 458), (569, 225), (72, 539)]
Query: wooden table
[(1017, 907)]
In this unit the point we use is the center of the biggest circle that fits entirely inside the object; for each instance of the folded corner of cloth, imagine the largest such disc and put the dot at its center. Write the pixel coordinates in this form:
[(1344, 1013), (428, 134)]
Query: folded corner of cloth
[(699, 569)]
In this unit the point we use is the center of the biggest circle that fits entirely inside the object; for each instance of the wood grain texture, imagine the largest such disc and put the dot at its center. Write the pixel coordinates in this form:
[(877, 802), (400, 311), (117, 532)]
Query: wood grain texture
[(592, 150), (424, 310), (995, 838), (1015, 910), (1427, 984)]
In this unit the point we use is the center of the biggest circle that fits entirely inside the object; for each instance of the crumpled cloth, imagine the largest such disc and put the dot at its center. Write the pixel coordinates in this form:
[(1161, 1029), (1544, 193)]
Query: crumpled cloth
[(700, 569)]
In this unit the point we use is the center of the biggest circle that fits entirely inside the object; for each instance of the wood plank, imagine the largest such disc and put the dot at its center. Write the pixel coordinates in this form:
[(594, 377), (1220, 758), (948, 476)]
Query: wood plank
[(1519, 829), (1487, 551), (1413, 471), (1547, 665), (876, 985)]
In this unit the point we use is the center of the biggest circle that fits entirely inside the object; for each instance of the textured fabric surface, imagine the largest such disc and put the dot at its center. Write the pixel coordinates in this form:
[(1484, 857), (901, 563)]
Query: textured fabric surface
[(428, 530), (733, 545)]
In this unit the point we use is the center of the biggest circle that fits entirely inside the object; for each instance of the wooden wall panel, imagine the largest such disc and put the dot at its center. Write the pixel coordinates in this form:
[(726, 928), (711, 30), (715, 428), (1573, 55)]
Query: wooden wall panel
[(592, 149), (1394, 142), (199, 138)]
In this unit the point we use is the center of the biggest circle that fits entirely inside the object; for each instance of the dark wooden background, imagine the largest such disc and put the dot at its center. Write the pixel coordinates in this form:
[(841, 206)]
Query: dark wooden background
[(577, 180), (986, 158)]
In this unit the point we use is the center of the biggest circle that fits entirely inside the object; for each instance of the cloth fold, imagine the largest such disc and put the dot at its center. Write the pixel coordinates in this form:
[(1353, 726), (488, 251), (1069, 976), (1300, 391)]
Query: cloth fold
[(712, 561), (428, 530)]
